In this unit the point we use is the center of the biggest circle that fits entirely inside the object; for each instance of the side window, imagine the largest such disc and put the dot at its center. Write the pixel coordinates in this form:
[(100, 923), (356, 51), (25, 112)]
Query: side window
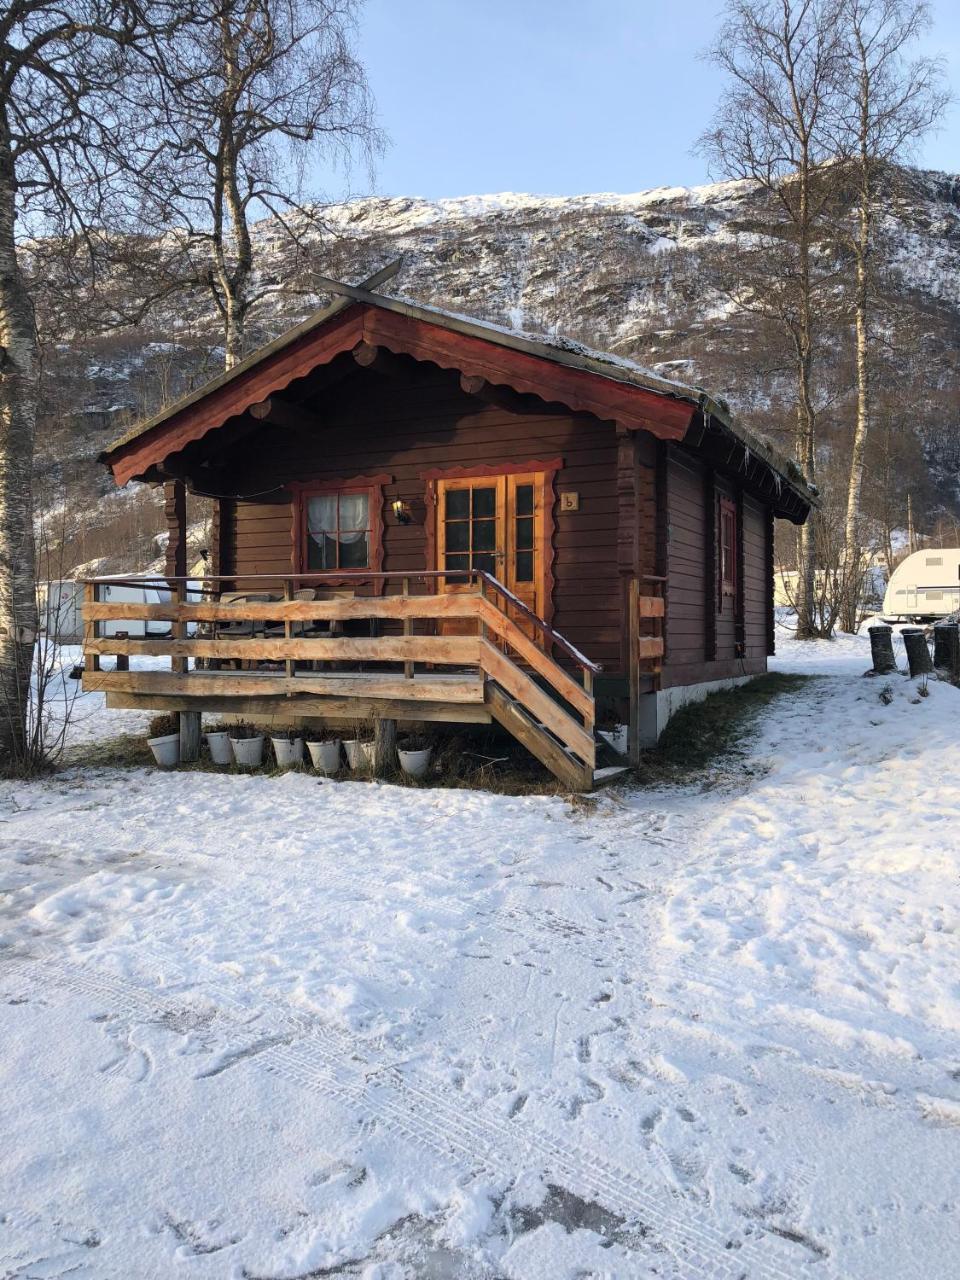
[(727, 548)]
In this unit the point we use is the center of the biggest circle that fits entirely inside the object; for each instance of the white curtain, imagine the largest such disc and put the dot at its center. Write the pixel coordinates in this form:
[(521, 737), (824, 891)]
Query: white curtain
[(322, 516), (353, 517), (322, 526)]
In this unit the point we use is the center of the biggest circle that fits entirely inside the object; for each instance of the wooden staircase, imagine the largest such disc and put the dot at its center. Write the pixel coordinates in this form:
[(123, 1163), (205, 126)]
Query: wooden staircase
[(553, 716)]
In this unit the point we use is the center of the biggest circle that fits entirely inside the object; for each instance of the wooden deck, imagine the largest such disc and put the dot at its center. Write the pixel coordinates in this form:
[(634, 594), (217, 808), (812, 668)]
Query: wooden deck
[(472, 655)]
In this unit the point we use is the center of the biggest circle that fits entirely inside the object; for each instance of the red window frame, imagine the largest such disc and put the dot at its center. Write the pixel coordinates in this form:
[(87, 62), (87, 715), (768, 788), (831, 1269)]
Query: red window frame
[(727, 535), (304, 490)]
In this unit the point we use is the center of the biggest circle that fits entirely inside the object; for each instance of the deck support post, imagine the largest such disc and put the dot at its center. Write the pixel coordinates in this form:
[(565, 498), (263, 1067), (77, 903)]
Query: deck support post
[(384, 747), (189, 736)]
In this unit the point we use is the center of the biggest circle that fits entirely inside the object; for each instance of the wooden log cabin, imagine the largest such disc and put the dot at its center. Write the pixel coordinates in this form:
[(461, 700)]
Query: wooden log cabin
[(422, 517)]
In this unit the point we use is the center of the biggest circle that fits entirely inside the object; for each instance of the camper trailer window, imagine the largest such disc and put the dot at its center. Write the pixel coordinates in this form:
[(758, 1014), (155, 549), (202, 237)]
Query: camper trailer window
[(933, 561), (728, 548)]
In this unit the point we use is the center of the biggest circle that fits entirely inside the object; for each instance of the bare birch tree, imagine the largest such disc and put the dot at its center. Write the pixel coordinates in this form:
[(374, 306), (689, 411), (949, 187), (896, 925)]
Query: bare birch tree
[(61, 140), (780, 59), (248, 99), (882, 105)]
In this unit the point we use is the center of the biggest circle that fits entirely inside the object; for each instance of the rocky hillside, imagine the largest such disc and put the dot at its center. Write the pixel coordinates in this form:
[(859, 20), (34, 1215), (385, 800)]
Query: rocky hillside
[(622, 272)]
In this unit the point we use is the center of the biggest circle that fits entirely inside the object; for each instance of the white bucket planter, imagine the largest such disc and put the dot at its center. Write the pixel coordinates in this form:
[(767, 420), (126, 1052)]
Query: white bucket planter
[(248, 752), (325, 755), (166, 750), (220, 750), (618, 738), (359, 754), (289, 754), (415, 763)]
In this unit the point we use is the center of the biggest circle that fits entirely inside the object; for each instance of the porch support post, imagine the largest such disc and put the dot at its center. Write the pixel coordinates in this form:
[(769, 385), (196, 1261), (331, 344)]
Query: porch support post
[(175, 508)]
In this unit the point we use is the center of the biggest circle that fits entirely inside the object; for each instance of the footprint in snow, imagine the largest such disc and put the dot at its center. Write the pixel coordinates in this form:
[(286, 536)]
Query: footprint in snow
[(130, 1061), (649, 1122)]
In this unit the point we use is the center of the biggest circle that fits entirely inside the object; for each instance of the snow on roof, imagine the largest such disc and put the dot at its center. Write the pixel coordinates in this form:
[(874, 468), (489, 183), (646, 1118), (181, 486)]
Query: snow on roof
[(555, 347)]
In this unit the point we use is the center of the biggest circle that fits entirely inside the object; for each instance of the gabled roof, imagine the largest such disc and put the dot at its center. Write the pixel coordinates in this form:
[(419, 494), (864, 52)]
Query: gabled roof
[(556, 369)]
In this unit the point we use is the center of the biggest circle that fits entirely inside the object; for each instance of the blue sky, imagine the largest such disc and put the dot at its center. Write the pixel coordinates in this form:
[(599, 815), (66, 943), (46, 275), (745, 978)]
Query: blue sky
[(557, 96)]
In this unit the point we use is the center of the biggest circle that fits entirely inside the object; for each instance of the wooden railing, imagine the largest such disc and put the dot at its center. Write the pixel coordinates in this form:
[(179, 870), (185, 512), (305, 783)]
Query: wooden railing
[(452, 668)]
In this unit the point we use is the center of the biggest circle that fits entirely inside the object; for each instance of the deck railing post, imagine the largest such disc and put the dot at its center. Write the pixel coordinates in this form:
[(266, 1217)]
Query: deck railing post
[(179, 628), (91, 628), (483, 596), (290, 666), (408, 667)]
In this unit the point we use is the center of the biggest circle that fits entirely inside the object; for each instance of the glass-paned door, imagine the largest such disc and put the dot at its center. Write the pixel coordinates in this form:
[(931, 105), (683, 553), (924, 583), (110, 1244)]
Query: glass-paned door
[(471, 527), (494, 523)]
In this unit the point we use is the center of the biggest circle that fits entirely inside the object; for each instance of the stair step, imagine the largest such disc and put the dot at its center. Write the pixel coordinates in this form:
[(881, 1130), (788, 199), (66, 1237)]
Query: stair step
[(567, 751), (609, 772)]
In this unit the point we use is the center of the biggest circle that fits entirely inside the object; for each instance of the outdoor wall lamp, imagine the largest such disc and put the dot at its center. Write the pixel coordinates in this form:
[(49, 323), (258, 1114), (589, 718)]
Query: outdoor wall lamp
[(401, 510)]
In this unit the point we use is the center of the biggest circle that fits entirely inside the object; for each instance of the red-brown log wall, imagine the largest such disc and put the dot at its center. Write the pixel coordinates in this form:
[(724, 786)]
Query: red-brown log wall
[(372, 424), (697, 616)]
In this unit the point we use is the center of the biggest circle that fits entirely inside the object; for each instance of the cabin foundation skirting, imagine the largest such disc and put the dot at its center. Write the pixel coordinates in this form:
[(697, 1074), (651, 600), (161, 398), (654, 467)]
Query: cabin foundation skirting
[(657, 709)]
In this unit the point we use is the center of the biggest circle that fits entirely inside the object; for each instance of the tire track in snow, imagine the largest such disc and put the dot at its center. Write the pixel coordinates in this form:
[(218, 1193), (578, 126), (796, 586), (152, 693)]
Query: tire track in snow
[(333, 1063), (549, 934)]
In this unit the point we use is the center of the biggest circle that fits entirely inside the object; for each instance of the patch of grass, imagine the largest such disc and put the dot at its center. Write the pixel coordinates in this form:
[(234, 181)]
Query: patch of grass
[(710, 734), (125, 751)]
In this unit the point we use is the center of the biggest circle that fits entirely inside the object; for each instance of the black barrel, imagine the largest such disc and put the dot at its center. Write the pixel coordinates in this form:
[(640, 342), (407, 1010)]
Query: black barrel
[(881, 650), (946, 648), (918, 651)]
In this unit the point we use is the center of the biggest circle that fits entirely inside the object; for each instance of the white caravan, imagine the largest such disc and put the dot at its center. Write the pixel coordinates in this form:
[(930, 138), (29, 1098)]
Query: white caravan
[(61, 603), (924, 587)]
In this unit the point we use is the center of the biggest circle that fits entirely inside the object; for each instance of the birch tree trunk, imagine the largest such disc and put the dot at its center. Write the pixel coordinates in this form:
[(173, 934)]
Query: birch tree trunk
[(852, 550), (18, 410), (234, 269), (807, 627), (862, 244)]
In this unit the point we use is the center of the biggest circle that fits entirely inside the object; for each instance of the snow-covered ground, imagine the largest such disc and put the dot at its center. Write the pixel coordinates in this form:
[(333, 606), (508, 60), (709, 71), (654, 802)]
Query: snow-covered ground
[(288, 1028)]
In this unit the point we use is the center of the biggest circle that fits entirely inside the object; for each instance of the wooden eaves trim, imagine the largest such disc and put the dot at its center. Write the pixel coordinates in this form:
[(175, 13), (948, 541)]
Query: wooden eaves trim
[(607, 398)]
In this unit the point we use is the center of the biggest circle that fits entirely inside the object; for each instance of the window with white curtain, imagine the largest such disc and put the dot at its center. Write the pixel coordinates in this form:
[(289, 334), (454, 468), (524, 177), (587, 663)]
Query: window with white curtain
[(338, 531)]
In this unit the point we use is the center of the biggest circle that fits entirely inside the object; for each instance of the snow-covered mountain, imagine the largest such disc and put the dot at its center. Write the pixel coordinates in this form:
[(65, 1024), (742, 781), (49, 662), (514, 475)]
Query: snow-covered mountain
[(621, 272)]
